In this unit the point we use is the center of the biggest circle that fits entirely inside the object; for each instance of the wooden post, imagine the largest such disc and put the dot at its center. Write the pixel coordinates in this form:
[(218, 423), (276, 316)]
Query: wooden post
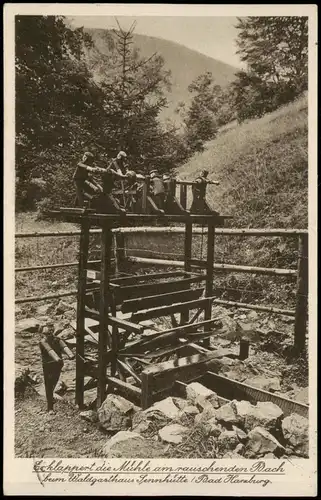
[(81, 302), (301, 309), (187, 259), (144, 195), (106, 244), (147, 389), (244, 349), (209, 273), (119, 251), (183, 195)]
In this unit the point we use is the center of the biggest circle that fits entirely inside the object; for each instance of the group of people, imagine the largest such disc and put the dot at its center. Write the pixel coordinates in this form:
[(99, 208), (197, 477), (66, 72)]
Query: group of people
[(118, 179)]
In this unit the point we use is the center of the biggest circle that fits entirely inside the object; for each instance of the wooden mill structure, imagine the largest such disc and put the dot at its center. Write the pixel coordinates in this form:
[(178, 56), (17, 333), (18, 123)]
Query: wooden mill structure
[(128, 340)]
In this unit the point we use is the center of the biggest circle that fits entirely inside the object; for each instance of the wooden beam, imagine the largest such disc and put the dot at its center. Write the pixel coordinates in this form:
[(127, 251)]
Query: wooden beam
[(106, 245), (81, 304), (232, 389), (125, 366), (163, 338), (134, 279), (167, 310), (148, 289), (128, 390), (126, 325), (244, 305), (182, 368), (135, 305)]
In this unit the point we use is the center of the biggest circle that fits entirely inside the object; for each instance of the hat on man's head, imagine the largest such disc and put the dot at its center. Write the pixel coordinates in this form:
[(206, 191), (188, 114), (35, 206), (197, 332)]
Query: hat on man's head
[(153, 173), (166, 177), (87, 154), (121, 154), (205, 172)]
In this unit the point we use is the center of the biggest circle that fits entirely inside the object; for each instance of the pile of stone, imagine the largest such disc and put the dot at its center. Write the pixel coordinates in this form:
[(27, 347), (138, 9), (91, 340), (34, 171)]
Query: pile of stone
[(237, 428)]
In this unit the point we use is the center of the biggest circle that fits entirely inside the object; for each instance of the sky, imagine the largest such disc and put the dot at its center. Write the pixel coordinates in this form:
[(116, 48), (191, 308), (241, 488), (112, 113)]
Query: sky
[(212, 36)]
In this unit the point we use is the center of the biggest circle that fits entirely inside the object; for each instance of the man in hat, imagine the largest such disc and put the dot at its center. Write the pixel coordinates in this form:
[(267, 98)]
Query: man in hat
[(120, 163), (199, 204), (86, 185)]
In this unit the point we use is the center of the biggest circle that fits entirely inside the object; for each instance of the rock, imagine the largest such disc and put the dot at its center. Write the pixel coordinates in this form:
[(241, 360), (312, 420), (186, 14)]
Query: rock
[(264, 383), (187, 415), (242, 436), (213, 428), (167, 407), (296, 431), (60, 327), (228, 440), (121, 437), (126, 444), (266, 414), (269, 456), (261, 442), (89, 416), (195, 390), (62, 307), (302, 396), (116, 413), (149, 422), (61, 388), (223, 342), (208, 413), (23, 381), (252, 315), (201, 396), (240, 449), (173, 433), (180, 403), (29, 325), (227, 414), (44, 309)]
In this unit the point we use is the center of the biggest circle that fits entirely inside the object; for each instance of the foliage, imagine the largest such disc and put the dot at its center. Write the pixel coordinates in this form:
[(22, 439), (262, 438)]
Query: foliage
[(275, 51), (61, 111), (57, 103)]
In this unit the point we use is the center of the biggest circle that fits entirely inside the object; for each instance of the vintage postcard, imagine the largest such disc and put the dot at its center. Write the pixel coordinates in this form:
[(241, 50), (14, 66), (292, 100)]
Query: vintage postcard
[(160, 250)]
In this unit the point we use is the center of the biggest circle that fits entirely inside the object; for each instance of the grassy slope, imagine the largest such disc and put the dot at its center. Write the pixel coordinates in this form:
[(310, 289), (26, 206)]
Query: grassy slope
[(262, 166), (185, 65)]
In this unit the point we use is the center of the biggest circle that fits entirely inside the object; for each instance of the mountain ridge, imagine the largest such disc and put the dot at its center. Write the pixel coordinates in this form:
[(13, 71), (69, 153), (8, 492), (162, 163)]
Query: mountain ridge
[(184, 63)]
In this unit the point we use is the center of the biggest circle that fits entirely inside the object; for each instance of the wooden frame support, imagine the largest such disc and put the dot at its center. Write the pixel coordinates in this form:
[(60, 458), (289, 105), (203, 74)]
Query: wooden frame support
[(104, 341), (209, 273), (81, 300)]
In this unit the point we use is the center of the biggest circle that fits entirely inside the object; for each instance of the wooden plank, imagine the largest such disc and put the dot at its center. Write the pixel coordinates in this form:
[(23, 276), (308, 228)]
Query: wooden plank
[(244, 305), (148, 289), (165, 374), (125, 324), (209, 271), (125, 366), (128, 390), (167, 310), (160, 339), (135, 305), (106, 245), (232, 389), (134, 279), (81, 304), (187, 258), (147, 390)]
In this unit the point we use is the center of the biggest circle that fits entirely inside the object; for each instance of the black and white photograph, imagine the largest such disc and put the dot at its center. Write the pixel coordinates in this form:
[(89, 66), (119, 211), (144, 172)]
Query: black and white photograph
[(163, 226)]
